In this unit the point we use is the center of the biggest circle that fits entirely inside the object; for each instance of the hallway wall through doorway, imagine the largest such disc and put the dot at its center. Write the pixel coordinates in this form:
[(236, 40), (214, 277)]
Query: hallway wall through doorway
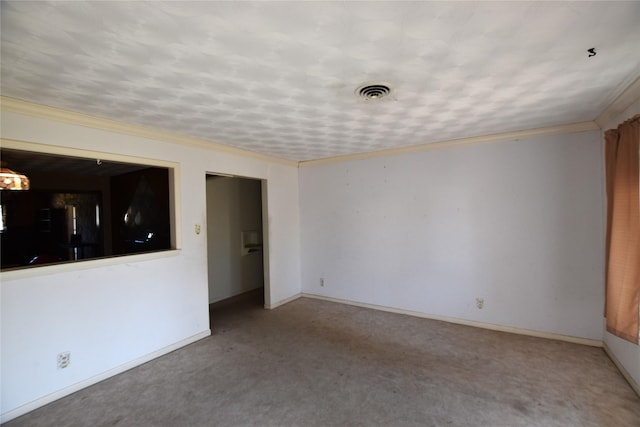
[(234, 236)]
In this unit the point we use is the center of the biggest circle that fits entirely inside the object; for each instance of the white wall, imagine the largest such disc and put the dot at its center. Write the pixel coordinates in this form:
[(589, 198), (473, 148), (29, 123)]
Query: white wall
[(233, 206), (114, 315), (283, 236), (518, 224), (628, 354)]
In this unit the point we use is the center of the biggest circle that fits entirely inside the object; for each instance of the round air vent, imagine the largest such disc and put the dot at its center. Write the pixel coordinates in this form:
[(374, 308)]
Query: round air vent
[(372, 91)]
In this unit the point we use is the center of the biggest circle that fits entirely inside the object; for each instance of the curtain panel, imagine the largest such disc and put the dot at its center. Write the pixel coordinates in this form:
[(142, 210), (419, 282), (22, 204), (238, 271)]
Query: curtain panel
[(622, 265)]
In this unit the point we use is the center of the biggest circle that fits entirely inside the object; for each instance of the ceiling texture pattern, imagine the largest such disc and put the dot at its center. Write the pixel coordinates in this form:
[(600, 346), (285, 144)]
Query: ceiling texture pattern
[(278, 78)]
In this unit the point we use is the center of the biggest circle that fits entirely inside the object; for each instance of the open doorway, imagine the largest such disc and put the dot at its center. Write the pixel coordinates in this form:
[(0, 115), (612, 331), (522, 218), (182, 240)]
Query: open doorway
[(235, 245)]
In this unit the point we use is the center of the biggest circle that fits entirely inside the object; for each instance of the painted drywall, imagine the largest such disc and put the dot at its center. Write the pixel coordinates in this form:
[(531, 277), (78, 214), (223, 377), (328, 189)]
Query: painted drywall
[(515, 224), (233, 206), (626, 353), (283, 236), (111, 316)]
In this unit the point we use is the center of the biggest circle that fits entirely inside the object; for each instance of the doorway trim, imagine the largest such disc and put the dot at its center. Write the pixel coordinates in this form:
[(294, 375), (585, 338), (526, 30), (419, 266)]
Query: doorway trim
[(265, 232)]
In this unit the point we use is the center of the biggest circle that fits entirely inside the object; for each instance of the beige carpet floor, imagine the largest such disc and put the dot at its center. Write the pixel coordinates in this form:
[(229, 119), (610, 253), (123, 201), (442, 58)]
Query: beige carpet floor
[(317, 363)]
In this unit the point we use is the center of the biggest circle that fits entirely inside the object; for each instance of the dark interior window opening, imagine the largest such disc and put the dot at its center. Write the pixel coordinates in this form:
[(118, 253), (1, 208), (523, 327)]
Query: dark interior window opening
[(79, 208)]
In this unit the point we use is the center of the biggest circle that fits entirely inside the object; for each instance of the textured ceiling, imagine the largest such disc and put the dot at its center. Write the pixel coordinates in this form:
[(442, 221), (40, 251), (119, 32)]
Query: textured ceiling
[(279, 78)]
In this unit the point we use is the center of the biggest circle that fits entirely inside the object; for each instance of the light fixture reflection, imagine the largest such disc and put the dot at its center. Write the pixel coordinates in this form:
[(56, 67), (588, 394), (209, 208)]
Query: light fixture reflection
[(10, 180)]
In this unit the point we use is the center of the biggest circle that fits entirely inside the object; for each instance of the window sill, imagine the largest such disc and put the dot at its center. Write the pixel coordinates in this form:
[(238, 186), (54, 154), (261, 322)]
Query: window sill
[(69, 266)]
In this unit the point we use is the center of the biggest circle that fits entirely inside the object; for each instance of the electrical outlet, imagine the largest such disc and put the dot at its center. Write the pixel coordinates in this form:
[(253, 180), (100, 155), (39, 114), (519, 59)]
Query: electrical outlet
[(64, 359), (480, 303), (322, 281), (196, 228)]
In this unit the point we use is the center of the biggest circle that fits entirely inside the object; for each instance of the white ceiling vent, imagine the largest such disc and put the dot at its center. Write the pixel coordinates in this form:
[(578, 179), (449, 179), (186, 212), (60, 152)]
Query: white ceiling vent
[(373, 91)]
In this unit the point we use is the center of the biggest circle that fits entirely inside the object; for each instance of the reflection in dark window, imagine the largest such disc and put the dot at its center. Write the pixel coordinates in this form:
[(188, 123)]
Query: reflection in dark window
[(141, 211), (80, 209)]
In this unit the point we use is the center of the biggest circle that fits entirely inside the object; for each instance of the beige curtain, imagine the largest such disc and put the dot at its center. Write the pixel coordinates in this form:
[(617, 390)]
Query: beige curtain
[(623, 229)]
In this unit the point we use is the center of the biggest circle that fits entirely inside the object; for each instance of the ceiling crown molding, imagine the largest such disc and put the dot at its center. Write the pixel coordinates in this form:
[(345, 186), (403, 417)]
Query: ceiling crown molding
[(630, 95), (59, 115), (498, 137), (36, 110)]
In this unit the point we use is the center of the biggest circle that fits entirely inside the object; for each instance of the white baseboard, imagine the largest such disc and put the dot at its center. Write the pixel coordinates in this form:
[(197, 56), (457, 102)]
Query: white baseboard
[(282, 302), (35, 404), (491, 326), (14, 413), (627, 376)]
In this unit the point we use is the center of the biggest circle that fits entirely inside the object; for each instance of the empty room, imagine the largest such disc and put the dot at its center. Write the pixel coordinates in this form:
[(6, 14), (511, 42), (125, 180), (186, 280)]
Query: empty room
[(320, 213)]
